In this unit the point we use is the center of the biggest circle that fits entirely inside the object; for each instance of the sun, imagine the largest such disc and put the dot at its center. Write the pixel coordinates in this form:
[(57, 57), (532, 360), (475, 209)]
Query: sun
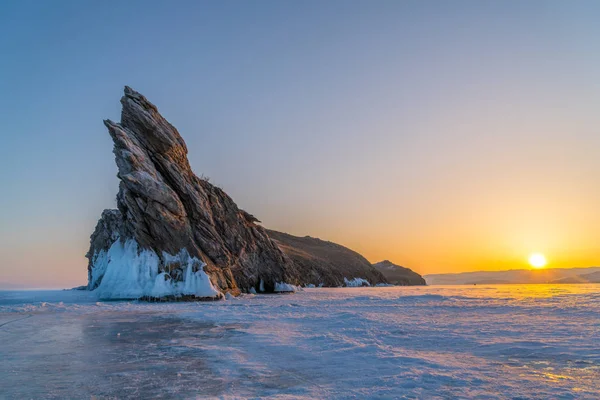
[(537, 260)]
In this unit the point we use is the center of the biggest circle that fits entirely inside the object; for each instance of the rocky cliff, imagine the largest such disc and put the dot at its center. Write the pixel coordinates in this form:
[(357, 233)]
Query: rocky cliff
[(398, 275), (174, 234), (322, 262)]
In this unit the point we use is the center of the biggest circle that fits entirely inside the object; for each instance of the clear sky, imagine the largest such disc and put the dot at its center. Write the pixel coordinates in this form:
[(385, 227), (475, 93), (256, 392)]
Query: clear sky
[(445, 136)]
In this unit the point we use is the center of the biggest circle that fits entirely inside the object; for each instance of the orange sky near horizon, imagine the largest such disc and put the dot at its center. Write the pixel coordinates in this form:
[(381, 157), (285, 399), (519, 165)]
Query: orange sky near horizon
[(471, 237), (483, 204)]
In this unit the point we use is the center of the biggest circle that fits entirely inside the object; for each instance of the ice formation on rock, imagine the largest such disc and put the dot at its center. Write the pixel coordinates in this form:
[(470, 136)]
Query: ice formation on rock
[(131, 273), (356, 282)]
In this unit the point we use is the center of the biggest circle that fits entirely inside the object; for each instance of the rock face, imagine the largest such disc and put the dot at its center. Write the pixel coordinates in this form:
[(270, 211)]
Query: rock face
[(398, 275), (181, 223), (321, 262)]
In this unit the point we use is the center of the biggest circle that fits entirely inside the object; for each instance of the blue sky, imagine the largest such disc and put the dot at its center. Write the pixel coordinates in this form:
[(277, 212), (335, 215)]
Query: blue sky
[(374, 124)]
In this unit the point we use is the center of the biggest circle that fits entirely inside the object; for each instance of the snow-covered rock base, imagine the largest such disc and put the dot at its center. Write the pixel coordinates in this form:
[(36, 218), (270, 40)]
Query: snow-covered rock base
[(283, 287), (128, 272)]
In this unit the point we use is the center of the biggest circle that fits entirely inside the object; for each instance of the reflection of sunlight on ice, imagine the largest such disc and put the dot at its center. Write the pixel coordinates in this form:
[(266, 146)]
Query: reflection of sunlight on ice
[(526, 291), (556, 377)]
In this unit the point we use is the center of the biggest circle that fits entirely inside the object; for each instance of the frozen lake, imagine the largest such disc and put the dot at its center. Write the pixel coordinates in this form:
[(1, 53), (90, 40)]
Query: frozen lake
[(506, 341)]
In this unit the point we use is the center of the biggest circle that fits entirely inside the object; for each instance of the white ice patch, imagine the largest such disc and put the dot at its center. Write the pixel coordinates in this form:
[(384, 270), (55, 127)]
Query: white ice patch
[(285, 287), (229, 296), (356, 282), (131, 274)]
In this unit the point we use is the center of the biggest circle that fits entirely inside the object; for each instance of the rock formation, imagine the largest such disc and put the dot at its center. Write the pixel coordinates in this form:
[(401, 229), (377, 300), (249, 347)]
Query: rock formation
[(398, 275), (181, 223), (325, 263), (176, 236)]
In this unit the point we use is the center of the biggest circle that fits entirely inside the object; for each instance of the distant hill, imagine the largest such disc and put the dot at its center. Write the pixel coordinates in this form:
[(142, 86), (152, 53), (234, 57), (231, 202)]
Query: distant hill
[(593, 277), (398, 275), (550, 275)]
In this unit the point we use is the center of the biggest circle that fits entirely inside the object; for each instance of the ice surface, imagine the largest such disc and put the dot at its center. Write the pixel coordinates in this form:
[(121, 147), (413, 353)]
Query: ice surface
[(486, 342), (131, 274)]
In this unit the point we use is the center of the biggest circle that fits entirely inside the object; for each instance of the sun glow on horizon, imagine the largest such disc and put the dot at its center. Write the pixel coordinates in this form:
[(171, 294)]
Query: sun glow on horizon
[(537, 260)]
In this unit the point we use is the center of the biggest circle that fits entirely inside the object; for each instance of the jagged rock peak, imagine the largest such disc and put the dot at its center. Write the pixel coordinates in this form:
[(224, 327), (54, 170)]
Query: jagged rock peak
[(166, 210)]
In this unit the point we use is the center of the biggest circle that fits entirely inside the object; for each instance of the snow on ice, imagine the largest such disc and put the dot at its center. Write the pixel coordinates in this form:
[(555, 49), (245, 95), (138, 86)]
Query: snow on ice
[(482, 342)]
